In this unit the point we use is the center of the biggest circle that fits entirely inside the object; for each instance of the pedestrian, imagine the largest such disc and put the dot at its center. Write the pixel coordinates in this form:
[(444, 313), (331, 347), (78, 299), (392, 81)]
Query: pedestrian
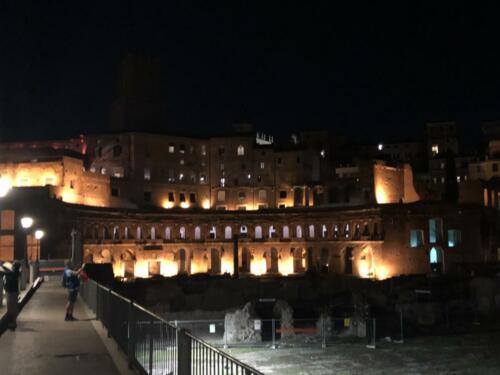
[(10, 272), (71, 281)]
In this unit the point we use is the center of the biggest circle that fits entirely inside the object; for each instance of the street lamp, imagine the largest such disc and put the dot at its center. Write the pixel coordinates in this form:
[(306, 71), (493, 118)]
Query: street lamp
[(26, 222), (38, 235)]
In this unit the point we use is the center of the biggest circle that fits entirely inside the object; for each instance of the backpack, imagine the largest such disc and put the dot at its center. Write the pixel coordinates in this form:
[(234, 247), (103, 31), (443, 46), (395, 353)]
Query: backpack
[(64, 279)]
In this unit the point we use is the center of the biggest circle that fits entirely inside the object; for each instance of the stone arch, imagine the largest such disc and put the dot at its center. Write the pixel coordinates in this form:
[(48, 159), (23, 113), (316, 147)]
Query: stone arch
[(153, 233), (138, 233), (182, 233), (366, 265), (128, 259), (106, 256), (243, 231), (215, 261)]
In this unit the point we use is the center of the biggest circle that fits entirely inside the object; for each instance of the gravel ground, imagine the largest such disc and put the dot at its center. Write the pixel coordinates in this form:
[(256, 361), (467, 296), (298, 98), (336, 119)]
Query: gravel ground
[(462, 354)]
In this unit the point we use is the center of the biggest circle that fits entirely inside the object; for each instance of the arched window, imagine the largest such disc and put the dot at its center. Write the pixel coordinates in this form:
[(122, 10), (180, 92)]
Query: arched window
[(258, 232), (347, 230), (243, 230), (197, 233), (213, 233), (324, 231), (272, 231), (126, 233), (298, 231), (153, 233), (116, 233), (336, 232), (241, 150), (286, 232), (182, 233), (139, 233), (168, 233), (311, 231), (228, 233)]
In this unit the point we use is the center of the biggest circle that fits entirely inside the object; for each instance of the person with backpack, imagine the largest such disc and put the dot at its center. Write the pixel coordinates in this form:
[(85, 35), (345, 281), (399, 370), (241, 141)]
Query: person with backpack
[(71, 281)]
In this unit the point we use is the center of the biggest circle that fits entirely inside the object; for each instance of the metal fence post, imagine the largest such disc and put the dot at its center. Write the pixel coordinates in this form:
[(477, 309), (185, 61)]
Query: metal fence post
[(402, 325), (273, 325), (131, 334), (108, 296), (323, 333), (151, 342), (183, 352)]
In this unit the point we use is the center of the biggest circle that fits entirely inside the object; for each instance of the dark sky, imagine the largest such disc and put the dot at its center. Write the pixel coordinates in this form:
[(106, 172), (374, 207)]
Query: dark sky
[(367, 70)]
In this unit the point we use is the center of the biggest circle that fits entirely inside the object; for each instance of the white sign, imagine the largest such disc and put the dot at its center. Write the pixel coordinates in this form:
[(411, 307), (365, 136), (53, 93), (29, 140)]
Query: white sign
[(212, 328), (257, 325)]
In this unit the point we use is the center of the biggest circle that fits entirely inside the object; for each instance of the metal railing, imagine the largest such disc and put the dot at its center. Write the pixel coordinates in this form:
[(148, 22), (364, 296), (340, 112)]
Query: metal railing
[(153, 345)]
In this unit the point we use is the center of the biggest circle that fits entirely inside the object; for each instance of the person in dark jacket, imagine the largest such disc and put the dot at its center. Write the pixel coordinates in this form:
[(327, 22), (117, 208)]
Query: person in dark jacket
[(11, 274), (71, 281)]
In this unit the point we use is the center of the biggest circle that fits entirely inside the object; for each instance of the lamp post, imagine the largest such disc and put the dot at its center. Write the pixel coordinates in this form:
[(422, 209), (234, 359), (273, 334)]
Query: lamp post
[(35, 266), (26, 224)]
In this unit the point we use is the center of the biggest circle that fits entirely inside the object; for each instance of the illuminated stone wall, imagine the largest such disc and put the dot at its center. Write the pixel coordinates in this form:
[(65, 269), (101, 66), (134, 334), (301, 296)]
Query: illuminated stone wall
[(66, 175), (394, 184), (372, 242)]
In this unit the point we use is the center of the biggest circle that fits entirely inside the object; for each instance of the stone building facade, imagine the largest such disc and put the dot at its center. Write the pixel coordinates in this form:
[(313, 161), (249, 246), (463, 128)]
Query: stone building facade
[(371, 242)]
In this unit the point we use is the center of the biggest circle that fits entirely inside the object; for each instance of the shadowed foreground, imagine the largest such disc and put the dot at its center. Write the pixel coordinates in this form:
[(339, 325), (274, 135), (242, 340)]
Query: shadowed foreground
[(45, 344)]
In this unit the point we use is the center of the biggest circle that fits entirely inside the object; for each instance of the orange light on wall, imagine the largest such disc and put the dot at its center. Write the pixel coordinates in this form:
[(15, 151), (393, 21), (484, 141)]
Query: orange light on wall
[(286, 266), (258, 267), (141, 269), (168, 268), (380, 194), (166, 204), (206, 204), (184, 204)]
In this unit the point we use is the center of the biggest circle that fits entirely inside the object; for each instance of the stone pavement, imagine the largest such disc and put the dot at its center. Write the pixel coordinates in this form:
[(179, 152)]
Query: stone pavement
[(45, 344)]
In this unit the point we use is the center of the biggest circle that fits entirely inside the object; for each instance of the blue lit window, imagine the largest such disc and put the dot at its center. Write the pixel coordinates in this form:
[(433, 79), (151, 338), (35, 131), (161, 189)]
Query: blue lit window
[(435, 230), (416, 237), (454, 237)]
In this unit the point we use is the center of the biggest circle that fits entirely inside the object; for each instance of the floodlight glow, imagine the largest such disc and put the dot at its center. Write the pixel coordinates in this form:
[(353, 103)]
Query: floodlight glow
[(26, 222), (39, 234)]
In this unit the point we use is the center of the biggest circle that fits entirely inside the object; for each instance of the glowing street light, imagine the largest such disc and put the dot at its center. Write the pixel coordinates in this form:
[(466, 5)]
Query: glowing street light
[(26, 222), (39, 234)]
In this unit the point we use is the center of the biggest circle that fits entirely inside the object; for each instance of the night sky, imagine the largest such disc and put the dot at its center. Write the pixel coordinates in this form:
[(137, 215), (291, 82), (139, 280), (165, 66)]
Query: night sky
[(370, 71)]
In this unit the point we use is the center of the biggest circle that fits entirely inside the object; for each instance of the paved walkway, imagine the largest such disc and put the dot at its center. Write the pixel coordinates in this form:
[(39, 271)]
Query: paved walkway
[(45, 344)]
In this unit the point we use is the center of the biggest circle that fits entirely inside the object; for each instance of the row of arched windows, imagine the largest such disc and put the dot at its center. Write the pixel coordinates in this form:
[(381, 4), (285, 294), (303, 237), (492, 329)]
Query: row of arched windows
[(336, 232)]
